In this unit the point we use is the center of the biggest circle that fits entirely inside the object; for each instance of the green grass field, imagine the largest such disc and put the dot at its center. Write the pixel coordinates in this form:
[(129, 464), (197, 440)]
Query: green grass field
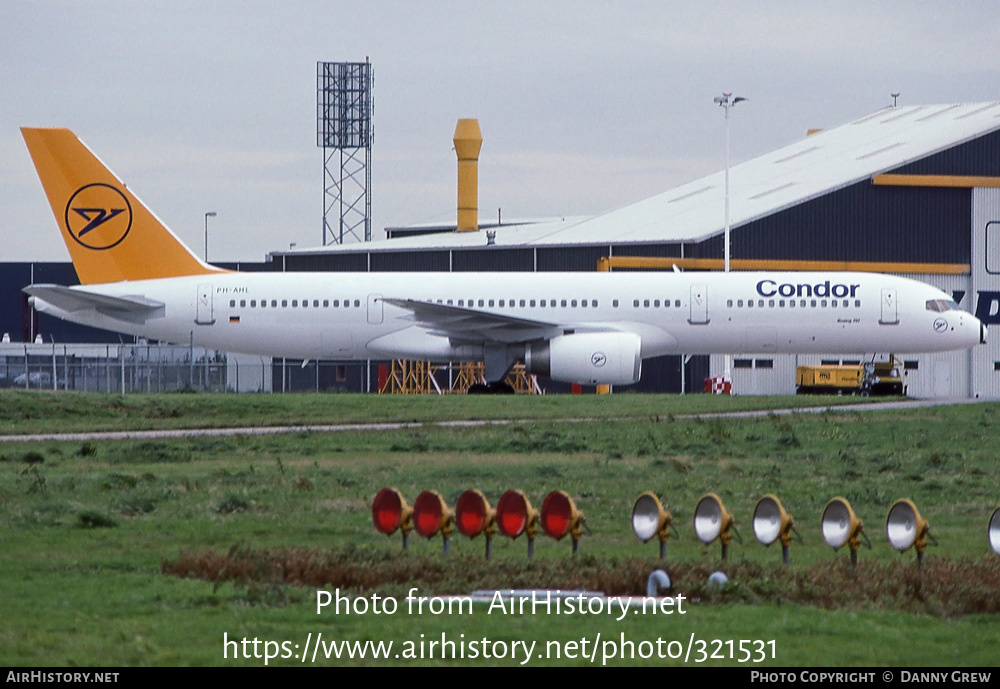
[(153, 552)]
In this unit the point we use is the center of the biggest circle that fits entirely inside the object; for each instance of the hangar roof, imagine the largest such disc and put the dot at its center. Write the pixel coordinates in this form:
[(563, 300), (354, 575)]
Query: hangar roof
[(820, 163)]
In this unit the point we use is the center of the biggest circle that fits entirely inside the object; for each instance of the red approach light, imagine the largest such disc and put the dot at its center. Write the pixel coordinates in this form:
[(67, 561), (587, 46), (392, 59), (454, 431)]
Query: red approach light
[(431, 514), (560, 516), (390, 511), (473, 514), (514, 514)]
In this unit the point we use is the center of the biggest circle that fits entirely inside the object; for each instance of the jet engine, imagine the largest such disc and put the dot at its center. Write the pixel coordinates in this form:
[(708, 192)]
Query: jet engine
[(591, 358)]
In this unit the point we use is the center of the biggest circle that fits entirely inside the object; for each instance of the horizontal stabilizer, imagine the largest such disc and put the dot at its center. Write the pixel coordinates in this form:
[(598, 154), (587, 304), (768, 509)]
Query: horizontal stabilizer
[(136, 309)]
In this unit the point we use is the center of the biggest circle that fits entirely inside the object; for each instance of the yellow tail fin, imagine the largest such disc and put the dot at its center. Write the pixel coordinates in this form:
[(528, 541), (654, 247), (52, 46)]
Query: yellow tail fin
[(110, 234)]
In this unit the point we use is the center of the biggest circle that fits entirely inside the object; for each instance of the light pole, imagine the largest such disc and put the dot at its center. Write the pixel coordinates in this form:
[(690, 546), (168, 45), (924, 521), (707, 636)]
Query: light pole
[(210, 214), (727, 101)]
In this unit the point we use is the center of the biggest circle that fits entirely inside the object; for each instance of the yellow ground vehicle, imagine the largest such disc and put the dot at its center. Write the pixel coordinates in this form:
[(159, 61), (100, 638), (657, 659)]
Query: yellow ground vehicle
[(866, 378)]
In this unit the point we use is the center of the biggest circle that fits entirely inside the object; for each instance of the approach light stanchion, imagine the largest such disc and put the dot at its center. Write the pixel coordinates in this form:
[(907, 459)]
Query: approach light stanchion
[(431, 515), (561, 517), (649, 519), (840, 526), (904, 527), (390, 512), (474, 516), (994, 531), (771, 522), (516, 516), (711, 521)]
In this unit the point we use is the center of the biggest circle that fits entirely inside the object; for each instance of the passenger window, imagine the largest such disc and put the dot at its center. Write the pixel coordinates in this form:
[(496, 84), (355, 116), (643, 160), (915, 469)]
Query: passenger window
[(232, 303), (635, 303)]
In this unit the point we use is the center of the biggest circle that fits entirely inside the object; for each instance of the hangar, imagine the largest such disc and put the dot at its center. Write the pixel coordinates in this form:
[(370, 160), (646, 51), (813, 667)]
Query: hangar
[(913, 190)]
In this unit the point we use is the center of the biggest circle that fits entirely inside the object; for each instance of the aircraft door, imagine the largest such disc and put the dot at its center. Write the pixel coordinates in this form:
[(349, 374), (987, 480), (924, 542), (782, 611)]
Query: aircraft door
[(699, 305), (374, 309), (204, 314), (890, 314)]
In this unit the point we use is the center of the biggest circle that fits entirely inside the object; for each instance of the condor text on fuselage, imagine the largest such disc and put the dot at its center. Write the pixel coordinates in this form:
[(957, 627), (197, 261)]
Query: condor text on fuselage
[(770, 288)]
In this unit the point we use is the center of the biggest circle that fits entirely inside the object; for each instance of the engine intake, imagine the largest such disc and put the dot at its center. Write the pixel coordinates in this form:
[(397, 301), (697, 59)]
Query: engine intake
[(590, 358)]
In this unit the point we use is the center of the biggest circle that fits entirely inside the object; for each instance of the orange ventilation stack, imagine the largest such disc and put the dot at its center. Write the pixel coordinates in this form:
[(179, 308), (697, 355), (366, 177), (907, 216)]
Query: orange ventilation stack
[(468, 142)]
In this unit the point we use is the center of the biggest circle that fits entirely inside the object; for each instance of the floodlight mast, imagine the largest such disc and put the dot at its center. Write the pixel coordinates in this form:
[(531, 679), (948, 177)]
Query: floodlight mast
[(726, 101)]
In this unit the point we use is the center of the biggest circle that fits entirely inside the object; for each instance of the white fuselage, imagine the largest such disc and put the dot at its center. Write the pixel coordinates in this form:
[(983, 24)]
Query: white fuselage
[(346, 315)]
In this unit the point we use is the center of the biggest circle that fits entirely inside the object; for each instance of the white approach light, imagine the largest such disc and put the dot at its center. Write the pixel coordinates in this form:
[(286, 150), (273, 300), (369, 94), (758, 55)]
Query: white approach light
[(905, 528), (841, 527), (712, 521), (771, 522), (994, 531), (650, 519)]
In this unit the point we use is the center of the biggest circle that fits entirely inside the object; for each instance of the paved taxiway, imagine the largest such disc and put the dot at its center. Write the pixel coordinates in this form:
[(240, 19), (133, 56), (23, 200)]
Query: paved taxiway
[(366, 427)]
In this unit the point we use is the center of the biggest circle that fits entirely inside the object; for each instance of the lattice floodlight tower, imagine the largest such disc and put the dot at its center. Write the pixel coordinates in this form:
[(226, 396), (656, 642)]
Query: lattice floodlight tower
[(345, 133)]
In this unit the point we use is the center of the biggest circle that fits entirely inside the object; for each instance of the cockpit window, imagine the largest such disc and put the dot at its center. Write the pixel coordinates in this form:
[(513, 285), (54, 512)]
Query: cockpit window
[(942, 305)]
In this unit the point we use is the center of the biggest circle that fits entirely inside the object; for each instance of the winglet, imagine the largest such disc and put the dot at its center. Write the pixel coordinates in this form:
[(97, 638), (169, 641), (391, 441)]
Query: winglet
[(110, 234)]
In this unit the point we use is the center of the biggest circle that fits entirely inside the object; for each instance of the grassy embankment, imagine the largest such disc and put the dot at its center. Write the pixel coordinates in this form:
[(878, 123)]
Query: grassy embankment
[(94, 533)]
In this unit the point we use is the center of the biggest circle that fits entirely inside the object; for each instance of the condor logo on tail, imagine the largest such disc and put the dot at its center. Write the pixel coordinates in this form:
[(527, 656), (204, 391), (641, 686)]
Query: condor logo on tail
[(98, 216)]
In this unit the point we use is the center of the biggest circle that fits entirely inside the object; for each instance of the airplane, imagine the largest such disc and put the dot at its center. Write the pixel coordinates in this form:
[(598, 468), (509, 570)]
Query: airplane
[(137, 277)]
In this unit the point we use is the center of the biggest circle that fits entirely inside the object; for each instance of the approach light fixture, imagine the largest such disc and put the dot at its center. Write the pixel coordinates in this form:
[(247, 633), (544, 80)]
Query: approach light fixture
[(474, 516), (994, 531), (904, 527), (712, 521), (841, 527), (561, 517), (390, 512), (771, 523), (649, 519), (431, 515), (516, 516)]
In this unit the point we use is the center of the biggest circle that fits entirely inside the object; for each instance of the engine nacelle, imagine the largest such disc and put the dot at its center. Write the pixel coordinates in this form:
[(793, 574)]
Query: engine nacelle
[(591, 358)]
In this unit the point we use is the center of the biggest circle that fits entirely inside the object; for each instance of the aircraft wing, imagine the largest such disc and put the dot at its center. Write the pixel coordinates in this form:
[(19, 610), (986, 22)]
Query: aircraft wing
[(465, 325), (136, 309)]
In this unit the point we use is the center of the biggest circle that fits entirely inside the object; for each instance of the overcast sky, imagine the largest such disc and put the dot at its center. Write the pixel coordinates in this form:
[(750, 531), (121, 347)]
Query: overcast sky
[(583, 106)]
